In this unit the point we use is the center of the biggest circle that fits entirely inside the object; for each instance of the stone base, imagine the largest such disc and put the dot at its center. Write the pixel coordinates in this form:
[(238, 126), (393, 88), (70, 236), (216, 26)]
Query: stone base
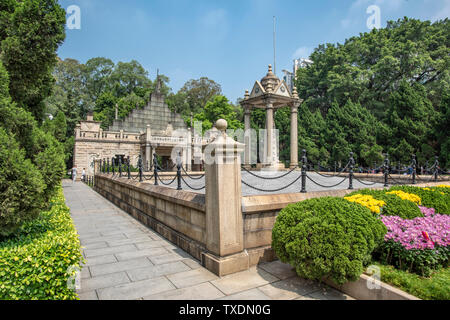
[(242, 261), (223, 266)]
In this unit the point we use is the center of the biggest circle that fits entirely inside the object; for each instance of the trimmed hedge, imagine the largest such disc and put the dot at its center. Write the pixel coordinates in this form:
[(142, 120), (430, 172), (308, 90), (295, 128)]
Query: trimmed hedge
[(395, 206), (327, 237), (35, 264), (437, 198)]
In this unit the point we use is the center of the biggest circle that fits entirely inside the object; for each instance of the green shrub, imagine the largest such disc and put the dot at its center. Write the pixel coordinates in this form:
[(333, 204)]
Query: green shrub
[(49, 159), (432, 198), (395, 206), (434, 287), (36, 263), (21, 185), (327, 237)]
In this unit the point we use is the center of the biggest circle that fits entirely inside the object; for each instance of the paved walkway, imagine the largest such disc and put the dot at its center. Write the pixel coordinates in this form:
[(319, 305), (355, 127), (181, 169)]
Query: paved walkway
[(126, 260)]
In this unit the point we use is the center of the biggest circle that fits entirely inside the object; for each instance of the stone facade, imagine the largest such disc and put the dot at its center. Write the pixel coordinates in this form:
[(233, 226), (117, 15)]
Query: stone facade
[(148, 130)]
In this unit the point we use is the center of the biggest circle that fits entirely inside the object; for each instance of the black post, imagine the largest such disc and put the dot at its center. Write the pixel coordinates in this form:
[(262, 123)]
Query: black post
[(128, 167), (352, 164), (113, 165), (386, 170), (155, 168), (140, 167), (179, 164), (120, 166), (304, 168), (104, 165), (108, 166), (414, 168), (436, 166)]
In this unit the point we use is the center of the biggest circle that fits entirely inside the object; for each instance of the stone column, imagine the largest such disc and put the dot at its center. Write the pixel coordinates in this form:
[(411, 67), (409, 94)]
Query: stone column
[(148, 148), (269, 129), (247, 136), (223, 201), (294, 135), (148, 156), (189, 147)]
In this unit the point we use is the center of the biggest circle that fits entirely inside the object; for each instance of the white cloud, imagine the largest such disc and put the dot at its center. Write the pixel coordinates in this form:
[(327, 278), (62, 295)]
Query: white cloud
[(443, 12), (302, 52), (215, 24), (215, 18)]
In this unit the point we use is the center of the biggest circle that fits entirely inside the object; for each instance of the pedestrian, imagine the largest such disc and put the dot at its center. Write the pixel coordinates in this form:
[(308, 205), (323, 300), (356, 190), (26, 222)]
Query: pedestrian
[(83, 174), (74, 173)]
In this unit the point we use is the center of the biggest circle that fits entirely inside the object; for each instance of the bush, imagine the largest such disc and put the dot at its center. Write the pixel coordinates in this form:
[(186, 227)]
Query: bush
[(49, 159), (327, 237), (36, 263), (395, 206), (431, 197), (21, 186)]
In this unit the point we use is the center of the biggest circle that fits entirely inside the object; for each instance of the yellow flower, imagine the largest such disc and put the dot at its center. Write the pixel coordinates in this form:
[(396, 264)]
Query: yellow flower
[(367, 201), (406, 196)]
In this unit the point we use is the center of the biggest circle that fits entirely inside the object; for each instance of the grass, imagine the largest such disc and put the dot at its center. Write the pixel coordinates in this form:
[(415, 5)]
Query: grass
[(436, 287)]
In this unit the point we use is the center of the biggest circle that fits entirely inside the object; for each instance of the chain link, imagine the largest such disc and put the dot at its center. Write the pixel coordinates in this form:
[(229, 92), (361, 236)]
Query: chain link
[(274, 190), (270, 178), (323, 186)]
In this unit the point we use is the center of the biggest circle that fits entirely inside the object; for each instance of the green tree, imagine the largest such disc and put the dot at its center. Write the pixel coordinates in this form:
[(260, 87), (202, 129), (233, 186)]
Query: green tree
[(32, 30), (193, 96), (218, 108)]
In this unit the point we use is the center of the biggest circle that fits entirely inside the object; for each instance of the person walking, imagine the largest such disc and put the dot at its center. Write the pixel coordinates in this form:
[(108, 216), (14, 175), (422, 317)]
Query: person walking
[(83, 175), (74, 174)]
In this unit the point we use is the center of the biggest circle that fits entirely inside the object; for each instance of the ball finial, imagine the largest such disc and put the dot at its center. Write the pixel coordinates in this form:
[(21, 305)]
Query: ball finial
[(221, 125)]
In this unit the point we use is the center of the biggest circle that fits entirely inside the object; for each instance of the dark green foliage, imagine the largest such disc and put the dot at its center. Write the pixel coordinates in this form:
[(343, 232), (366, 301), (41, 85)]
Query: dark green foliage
[(395, 206), (327, 237), (21, 186), (397, 79), (420, 261), (432, 198), (49, 159), (32, 30)]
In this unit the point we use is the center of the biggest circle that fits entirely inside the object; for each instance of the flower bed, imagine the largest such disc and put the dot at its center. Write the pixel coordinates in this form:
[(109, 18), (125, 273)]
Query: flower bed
[(416, 241), (38, 261)]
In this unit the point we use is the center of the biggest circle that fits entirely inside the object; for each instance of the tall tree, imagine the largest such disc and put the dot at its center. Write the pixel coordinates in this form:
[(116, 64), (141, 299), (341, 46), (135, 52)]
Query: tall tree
[(31, 32)]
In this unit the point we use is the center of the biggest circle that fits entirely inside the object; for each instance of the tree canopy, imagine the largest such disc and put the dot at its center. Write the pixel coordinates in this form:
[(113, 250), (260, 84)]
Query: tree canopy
[(381, 91)]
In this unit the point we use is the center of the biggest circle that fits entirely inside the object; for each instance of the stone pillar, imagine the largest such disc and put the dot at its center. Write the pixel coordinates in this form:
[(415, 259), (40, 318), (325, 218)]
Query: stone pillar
[(148, 148), (269, 129), (294, 135), (223, 201), (189, 147), (247, 136)]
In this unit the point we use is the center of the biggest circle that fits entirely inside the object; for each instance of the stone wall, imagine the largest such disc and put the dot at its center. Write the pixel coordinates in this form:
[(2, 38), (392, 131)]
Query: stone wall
[(86, 150), (178, 216)]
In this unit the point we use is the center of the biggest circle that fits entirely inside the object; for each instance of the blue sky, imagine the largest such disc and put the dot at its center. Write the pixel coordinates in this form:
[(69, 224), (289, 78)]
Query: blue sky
[(228, 41)]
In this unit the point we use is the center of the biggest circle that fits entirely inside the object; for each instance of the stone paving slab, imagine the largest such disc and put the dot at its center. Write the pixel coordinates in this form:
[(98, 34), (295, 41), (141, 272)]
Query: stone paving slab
[(127, 261), (136, 290), (157, 271), (203, 291)]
